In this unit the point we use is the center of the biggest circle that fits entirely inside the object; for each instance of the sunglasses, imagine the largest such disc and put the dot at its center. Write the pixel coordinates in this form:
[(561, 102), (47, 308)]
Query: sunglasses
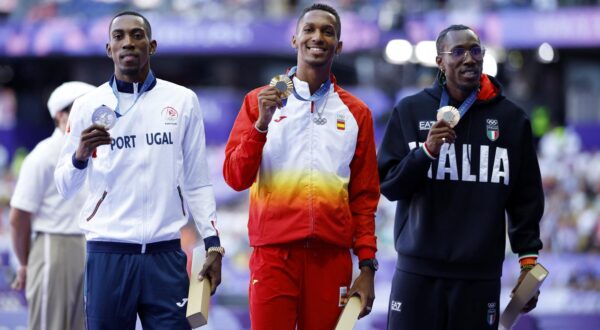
[(460, 53)]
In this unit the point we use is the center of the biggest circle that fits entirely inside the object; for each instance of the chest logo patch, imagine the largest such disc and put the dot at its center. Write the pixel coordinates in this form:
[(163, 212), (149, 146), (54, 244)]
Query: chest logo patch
[(492, 129), (341, 122), (170, 115)]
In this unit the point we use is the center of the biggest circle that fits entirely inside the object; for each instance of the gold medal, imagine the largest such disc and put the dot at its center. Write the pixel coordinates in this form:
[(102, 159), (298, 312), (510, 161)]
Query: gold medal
[(283, 84), (449, 114)]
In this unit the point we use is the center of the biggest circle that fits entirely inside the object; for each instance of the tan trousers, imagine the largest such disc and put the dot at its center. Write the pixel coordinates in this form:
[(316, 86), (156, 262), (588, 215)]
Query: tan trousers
[(54, 288)]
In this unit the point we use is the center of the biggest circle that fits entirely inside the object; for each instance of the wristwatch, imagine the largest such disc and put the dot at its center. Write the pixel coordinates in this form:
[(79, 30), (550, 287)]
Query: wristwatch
[(371, 263), (219, 249)]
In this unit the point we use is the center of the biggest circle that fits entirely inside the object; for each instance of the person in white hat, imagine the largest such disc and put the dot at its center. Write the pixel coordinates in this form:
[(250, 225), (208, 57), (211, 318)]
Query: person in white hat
[(52, 264)]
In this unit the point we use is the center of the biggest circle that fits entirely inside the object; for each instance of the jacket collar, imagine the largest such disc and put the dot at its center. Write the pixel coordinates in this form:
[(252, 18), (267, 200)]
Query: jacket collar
[(487, 90), (490, 89), (127, 87)]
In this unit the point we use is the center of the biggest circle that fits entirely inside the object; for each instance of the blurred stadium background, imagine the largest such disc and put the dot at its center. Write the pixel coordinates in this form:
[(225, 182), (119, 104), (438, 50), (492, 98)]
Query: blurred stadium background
[(545, 52)]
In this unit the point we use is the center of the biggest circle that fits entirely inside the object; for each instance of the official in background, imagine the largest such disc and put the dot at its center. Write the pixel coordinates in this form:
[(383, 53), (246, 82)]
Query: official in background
[(458, 174), (138, 143), (51, 265), (309, 161)]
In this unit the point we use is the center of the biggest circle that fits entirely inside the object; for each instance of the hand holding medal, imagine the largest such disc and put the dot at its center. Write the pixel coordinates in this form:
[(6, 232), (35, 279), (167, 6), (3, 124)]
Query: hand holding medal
[(447, 118), (270, 99), (441, 132)]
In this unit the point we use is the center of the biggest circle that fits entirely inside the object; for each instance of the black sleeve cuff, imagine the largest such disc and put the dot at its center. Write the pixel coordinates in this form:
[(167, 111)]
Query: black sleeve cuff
[(211, 241), (78, 163)]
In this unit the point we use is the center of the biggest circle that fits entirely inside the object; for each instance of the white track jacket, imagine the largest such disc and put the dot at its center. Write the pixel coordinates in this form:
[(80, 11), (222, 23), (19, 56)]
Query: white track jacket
[(155, 169)]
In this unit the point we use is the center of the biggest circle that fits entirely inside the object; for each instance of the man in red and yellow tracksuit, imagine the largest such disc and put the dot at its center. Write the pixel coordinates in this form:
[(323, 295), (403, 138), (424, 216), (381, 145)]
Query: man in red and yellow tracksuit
[(309, 161)]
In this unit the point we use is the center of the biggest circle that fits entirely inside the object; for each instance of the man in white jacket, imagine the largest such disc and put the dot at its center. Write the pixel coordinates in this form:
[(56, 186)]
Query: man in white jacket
[(51, 265), (139, 144)]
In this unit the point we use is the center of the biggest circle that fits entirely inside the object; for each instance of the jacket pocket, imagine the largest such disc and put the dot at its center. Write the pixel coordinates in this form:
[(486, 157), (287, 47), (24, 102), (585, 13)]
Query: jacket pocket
[(181, 199), (97, 206)]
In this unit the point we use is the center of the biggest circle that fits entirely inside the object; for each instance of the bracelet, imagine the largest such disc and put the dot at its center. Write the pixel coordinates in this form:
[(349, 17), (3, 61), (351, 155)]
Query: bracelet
[(527, 267), (428, 153), (219, 249), (260, 130)]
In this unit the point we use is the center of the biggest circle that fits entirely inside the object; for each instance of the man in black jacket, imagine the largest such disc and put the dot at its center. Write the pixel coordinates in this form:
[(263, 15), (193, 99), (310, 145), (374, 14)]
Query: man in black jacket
[(456, 173)]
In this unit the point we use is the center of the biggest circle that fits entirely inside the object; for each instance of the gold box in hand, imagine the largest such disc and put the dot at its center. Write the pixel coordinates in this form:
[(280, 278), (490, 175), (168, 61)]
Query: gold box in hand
[(198, 301), (199, 293), (528, 288), (349, 315)]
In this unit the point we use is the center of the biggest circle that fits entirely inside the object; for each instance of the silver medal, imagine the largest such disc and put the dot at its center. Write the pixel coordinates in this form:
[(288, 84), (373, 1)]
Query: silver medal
[(104, 116)]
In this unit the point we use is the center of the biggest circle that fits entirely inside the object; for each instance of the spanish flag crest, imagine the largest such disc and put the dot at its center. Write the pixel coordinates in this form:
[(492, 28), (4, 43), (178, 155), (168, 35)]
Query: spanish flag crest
[(341, 122)]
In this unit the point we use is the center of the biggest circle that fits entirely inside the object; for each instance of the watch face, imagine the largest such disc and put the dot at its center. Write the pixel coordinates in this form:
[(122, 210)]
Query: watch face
[(371, 263)]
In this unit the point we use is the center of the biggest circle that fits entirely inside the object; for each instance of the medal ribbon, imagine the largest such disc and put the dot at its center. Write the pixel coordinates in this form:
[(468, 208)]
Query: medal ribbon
[(464, 107), (322, 91), (149, 80)]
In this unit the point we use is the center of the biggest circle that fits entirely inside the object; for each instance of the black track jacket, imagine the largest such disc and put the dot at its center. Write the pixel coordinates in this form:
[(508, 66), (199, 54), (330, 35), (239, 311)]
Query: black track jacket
[(451, 212)]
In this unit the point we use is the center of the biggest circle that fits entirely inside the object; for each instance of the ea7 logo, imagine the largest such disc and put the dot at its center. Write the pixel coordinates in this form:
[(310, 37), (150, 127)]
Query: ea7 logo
[(396, 306), (425, 125)]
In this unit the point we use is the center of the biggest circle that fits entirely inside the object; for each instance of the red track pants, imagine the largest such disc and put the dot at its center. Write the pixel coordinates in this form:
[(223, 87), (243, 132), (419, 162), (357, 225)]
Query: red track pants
[(298, 284)]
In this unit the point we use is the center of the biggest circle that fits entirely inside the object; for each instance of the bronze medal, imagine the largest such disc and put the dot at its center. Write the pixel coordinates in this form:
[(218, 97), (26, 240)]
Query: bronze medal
[(449, 114)]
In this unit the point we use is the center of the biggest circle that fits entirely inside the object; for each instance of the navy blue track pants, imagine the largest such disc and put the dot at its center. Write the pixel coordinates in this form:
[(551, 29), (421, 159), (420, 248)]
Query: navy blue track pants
[(121, 282), (423, 302)]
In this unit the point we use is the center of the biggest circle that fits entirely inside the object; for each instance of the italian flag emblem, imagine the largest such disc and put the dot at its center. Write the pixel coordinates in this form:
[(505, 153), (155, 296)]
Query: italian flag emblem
[(492, 129), (493, 135)]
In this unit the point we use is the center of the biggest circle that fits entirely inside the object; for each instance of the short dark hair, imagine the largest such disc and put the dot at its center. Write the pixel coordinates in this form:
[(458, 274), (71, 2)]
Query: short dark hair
[(442, 35), (327, 8), (133, 13)]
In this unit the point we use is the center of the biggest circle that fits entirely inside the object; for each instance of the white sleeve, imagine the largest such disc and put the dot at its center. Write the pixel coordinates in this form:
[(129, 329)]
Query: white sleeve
[(69, 178), (197, 186), (34, 177)]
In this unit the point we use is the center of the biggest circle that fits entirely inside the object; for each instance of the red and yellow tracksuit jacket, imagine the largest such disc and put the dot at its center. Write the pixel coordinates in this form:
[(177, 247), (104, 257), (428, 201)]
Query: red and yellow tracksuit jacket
[(308, 181)]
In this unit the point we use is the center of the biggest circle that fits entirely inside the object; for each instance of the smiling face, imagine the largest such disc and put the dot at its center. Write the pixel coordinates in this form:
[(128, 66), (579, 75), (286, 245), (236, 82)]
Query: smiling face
[(316, 39), (130, 48), (462, 74)]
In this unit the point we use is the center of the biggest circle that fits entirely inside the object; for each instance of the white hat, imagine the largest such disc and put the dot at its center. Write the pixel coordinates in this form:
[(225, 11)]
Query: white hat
[(65, 94)]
